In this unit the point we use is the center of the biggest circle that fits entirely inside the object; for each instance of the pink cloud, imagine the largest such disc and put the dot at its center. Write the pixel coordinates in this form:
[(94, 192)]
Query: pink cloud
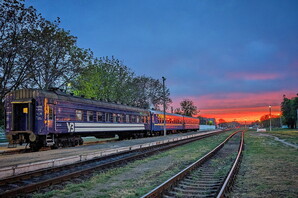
[(255, 76), (239, 106)]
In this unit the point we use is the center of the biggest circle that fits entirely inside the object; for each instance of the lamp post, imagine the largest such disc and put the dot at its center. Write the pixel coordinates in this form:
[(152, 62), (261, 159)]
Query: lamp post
[(245, 123), (270, 117), (164, 107)]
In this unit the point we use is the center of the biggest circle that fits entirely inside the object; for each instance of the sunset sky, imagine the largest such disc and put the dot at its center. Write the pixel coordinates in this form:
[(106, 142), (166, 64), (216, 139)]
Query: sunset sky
[(233, 58)]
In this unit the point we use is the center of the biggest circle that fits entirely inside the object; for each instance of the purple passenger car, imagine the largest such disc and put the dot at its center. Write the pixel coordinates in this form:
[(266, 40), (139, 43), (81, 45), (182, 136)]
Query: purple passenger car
[(55, 118)]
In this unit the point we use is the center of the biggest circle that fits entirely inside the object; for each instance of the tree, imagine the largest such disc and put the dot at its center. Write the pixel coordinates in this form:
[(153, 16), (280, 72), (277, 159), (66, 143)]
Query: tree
[(188, 108), (109, 79), (17, 49), (106, 79), (289, 111), (58, 59), (148, 92), (178, 111)]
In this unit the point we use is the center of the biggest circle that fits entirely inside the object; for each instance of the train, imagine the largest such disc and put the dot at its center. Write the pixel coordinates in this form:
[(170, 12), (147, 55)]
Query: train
[(43, 118)]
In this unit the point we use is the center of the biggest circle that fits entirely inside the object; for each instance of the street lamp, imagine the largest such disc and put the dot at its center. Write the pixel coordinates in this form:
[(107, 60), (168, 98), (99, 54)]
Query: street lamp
[(270, 117), (164, 107), (245, 123)]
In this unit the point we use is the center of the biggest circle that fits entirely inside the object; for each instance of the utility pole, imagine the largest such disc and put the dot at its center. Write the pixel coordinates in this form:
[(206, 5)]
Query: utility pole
[(270, 117), (297, 118), (164, 106)]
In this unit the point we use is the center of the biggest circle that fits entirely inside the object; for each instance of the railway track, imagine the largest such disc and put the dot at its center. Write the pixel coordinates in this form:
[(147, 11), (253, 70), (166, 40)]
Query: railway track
[(32, 181), (210, 176)]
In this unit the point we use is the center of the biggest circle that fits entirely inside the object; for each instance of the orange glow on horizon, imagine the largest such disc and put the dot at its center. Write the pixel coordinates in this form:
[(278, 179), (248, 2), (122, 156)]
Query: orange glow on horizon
[(240, 107), (241, 115)]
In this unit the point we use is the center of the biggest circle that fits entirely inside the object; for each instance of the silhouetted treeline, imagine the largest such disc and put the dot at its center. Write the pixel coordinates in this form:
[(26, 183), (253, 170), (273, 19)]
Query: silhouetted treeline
[(289, 108)]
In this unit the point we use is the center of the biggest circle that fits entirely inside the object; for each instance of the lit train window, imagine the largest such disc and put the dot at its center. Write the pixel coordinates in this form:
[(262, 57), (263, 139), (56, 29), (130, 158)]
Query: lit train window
[(89, 116), (79, 115), (99, 116), (51, 113)]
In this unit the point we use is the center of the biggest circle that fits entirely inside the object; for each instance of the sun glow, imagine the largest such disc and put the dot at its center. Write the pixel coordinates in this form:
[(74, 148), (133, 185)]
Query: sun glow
[(239, 114)]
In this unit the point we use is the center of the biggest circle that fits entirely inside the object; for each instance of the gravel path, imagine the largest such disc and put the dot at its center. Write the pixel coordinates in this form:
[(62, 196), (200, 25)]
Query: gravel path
[(281, 140), (13, 160)]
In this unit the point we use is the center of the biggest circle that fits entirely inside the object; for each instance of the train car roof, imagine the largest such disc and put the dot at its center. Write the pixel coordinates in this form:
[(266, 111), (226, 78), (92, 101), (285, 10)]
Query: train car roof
[(27, 94), (161, 112)]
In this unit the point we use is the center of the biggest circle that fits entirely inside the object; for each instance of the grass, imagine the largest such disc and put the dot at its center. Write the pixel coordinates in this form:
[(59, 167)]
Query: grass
[(269, 168), (139, 177), (289, 135)]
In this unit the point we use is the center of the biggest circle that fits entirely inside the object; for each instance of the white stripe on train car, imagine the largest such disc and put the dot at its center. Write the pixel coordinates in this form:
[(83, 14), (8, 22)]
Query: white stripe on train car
[(108, 129), (92, 127), (78, 124)]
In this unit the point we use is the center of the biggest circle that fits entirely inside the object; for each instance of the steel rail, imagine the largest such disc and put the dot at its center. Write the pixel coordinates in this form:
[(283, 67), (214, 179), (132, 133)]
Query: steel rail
[(45, 183), (159, 190), (232, 173)]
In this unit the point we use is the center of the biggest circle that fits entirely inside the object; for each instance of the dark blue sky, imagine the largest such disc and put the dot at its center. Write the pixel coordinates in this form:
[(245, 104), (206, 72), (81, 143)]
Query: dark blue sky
[(205, 48)]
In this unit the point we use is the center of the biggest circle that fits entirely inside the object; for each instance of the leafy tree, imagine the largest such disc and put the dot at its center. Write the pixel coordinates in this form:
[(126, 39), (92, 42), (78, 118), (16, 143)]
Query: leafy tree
[(178, 111), (109, 79), (265, 121), (58, 59), (148, 92), (17, 49), (188, 108), (106, 79), (289, 111)]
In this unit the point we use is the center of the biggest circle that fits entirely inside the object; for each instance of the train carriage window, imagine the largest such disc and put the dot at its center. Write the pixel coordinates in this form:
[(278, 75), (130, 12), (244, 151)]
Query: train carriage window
[(90, 116), (79, 115), (99, 116), (51, 113), (121, 117), (114, 118), (127, 118), (107, 117), (133, 119), (118, 119), (137, 119)]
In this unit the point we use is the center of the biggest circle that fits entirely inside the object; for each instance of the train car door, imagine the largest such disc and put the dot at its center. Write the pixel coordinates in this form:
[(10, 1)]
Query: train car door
[(51, 118), (22, 119)]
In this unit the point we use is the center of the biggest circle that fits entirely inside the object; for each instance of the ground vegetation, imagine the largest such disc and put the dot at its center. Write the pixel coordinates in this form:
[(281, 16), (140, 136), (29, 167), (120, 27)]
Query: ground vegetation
[(268, 167)]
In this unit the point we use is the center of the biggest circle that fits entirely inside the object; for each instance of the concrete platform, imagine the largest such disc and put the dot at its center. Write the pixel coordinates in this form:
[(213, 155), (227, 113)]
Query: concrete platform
[(25, 158)]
